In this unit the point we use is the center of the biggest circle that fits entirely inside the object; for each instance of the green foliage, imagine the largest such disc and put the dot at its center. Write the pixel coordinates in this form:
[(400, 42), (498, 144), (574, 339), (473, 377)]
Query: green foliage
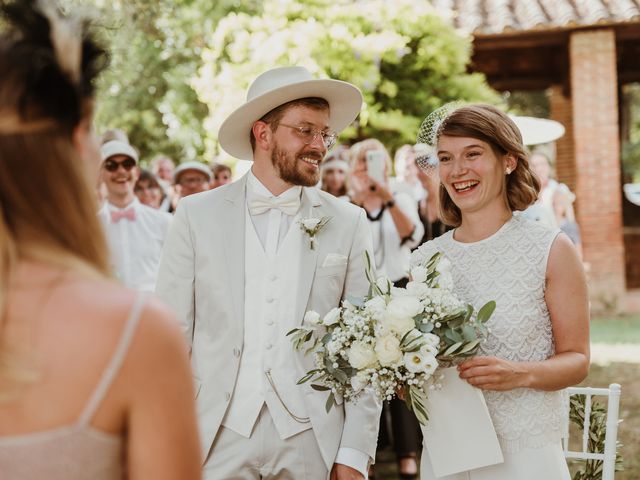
[(595, 444), (406, 60), (156, 47)]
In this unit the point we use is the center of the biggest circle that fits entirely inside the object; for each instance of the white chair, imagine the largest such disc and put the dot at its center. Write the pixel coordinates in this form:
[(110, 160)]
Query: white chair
[(608, 457)]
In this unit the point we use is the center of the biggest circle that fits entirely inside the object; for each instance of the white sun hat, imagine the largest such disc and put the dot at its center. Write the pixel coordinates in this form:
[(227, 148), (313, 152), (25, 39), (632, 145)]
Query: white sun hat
[(191, 165), (279, 86), (538, 130), (116, 147)]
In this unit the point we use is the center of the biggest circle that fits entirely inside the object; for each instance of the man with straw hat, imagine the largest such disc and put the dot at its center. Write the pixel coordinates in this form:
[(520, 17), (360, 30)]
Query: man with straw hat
[(242, 265)]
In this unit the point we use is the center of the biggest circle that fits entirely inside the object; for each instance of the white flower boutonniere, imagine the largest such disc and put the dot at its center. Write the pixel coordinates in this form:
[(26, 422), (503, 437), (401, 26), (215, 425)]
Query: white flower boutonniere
[(311, 226)]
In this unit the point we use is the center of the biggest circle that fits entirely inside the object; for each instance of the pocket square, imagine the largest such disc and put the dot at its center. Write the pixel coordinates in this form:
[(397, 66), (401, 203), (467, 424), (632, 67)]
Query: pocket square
[(333, 259)]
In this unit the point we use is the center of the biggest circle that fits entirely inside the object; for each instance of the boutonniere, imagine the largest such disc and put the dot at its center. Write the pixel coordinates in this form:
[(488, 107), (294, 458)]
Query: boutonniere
[(311, 226)]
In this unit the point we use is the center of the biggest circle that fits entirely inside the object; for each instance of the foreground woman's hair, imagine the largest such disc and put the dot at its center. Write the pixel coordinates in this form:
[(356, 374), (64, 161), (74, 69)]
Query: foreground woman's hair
[(48, 64)]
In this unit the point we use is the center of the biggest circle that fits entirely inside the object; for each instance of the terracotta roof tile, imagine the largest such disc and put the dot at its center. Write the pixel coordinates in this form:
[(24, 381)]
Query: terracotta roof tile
[(500, 16)]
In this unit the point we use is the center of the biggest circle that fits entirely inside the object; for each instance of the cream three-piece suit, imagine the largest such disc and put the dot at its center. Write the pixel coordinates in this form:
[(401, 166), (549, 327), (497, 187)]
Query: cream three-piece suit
[(237, 300)]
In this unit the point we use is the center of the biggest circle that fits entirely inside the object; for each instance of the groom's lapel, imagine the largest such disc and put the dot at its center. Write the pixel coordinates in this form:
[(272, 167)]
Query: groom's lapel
[(308, 258), (232, 222)]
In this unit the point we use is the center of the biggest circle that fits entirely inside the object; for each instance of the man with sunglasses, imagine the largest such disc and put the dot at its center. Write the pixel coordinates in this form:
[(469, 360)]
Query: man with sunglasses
[(241, 272), (135, 232)]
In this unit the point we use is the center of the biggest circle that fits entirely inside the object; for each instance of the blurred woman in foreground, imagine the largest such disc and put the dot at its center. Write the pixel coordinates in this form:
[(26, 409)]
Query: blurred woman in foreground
[(94, 378)]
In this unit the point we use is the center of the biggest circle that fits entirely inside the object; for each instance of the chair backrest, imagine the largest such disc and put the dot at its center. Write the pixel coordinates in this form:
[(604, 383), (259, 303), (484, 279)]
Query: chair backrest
[(608, 457)]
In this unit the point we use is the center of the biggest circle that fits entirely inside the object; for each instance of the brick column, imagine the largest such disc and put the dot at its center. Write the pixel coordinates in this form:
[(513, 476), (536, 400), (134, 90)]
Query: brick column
[(561, 110), (597, 158)]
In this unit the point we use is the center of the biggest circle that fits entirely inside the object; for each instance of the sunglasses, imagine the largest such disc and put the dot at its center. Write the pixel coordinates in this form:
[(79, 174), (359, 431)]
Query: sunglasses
[(112, 165)]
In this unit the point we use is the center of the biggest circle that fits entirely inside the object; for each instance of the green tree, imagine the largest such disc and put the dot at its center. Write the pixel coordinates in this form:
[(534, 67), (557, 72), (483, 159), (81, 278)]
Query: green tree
[(156, 47), (406, 60)]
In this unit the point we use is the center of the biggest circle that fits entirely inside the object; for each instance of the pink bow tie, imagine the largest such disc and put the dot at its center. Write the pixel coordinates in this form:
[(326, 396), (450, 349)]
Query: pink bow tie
[(117, 215)]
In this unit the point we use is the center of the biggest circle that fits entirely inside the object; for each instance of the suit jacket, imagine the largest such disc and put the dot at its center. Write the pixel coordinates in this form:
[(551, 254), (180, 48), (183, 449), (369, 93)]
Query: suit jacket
[(202, 278)]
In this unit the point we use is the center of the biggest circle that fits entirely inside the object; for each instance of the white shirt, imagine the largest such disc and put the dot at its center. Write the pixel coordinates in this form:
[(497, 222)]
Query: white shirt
[(136, 245), (391, 255), (271, 227)]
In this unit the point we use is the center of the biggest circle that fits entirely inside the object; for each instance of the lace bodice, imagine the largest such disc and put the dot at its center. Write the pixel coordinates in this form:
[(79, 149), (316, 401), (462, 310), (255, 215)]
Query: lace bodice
[(509, 267)]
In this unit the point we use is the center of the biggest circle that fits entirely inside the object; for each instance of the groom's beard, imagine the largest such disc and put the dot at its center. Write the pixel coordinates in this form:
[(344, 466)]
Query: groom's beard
[(291, 168)]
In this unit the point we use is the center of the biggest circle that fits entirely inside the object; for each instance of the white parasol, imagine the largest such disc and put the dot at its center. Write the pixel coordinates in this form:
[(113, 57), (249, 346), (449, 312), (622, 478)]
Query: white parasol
[(538, 130)]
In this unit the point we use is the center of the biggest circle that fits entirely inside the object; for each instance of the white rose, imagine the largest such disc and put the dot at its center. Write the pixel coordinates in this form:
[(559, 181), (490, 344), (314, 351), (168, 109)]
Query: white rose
[(400, 313), (444, 265), (418, 274), (310, 223), (376, 305), (383, 283), (429, 350), (312, 318), (418, 362), (416, 289), (388, 350), (332, 317), (361, 355), (358, 382), (398, 292), (431, 339)]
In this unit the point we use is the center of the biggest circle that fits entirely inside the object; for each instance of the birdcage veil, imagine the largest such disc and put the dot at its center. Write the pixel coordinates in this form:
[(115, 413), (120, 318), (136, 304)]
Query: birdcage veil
[(428, 134)]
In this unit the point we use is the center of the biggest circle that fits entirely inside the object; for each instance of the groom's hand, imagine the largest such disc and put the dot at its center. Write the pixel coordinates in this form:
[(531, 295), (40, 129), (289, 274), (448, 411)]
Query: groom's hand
[(343, 472)]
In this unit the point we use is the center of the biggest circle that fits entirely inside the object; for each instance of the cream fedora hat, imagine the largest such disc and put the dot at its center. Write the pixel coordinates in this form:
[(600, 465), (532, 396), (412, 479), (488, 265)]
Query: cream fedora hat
[(281, 85)]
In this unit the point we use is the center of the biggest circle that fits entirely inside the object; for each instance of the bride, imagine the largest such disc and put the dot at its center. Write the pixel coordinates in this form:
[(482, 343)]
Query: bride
[(538, 340)]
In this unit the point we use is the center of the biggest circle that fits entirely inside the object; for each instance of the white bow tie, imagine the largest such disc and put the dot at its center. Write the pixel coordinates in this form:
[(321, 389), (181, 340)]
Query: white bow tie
[(262, 204)]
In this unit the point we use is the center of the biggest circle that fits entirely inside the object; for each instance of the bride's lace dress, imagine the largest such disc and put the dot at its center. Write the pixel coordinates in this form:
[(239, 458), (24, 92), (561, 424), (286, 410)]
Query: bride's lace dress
[(509, 267)]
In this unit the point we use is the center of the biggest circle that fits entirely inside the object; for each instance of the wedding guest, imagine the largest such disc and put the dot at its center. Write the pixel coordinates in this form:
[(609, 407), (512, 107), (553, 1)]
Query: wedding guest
[(135, 232), (221, 175), (192, 177), (406, 170), (334, 172), (429, 206), (148, 190), (396, 229), (563, 200), (94, 379), (542, 209), (256, 421), (163, 167), (538, 341)]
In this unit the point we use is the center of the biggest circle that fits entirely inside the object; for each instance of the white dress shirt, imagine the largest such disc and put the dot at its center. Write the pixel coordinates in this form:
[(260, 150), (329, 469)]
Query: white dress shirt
[(271, 227), (135, 245)]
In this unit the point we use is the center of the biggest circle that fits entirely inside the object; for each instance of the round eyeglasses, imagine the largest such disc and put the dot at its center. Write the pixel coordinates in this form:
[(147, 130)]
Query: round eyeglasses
[(309, 134)]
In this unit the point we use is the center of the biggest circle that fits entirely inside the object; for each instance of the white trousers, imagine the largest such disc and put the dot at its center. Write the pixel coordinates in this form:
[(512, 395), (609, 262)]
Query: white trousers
[(265, 455), (546, 463)]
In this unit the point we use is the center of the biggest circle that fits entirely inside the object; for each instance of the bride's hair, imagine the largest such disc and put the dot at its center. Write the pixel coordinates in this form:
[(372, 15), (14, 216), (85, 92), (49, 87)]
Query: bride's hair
[(489, 124), (48, 65)]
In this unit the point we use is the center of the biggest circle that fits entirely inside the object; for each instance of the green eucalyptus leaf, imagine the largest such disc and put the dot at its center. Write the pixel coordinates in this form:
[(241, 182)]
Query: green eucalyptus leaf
[(469, 347), (330, 402), (319, 388), (469, 333), (486, 311), (452, 349)]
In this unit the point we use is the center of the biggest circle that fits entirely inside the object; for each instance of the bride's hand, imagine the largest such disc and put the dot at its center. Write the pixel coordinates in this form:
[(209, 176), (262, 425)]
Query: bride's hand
[(491, 373), (401, 393)]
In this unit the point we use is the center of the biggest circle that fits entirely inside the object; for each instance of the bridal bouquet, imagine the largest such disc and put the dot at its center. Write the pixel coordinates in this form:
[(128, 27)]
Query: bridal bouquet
[(394, 339)]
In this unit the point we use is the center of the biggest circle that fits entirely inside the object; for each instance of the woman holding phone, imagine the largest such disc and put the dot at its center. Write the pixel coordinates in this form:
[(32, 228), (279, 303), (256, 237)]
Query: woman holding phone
[(396, 230)]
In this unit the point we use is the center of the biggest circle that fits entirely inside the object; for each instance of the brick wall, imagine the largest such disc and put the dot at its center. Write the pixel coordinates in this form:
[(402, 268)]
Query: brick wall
[(597, 159)]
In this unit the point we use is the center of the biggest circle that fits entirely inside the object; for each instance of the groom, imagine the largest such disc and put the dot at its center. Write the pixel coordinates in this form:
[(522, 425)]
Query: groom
[(241, 273)]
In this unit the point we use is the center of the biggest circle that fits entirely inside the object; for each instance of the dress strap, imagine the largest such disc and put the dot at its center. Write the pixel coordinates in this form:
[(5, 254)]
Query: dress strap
[(116, 361)]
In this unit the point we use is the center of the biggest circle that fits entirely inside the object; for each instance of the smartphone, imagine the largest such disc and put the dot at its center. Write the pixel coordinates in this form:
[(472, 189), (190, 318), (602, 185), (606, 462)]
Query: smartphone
[(375, 165)]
